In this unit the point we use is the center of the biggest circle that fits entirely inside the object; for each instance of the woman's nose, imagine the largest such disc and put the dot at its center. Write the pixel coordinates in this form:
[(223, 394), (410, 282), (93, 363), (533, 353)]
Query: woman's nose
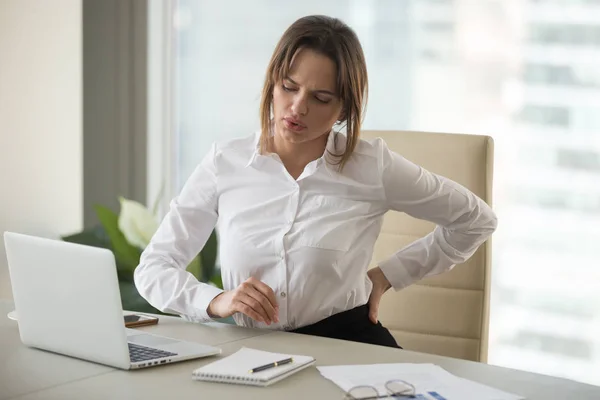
[(300, 105)]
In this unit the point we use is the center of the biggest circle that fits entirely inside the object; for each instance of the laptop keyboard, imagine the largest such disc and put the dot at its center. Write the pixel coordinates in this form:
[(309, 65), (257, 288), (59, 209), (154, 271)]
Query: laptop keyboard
[(139, 353)]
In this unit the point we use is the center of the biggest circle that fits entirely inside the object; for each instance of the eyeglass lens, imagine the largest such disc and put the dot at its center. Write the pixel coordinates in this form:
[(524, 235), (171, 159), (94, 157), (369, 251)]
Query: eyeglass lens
[(363, 392), (399, 388)]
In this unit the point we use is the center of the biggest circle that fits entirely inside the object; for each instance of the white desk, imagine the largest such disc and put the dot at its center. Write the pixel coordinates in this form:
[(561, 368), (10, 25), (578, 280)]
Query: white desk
[(64, 378), (25, 370)]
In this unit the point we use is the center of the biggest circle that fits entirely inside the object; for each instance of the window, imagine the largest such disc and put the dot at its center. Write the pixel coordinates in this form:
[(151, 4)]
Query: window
[(580, 75), (567, 2), (448, 66), (541, 198), (545, 115), (586, 118), (577, 159), (439, 27), (558, 199), (575, 35), (564, 347)]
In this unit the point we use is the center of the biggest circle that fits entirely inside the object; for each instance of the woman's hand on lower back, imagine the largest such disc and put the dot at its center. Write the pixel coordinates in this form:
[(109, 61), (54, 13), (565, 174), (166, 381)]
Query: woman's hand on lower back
[(380, 286)]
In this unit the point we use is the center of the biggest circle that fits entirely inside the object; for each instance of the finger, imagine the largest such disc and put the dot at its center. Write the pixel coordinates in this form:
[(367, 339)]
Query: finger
[(265, 290), (373, 316), (373, 310), (264, 302), (247, 310), (265, 308), (253, 303)]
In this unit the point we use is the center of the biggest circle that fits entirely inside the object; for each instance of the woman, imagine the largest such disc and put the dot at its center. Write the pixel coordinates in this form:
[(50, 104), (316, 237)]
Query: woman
[(299, 206)]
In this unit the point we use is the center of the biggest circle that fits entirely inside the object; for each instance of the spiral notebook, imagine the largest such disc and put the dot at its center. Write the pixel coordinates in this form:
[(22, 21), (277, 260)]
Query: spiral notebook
[(236, 368)]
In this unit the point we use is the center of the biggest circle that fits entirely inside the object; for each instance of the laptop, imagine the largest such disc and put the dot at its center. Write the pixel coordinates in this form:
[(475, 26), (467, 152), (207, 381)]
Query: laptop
[(68, 302)]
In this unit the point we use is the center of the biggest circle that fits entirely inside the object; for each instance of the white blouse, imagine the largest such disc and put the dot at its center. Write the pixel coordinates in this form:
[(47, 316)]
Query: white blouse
[(311, 239)]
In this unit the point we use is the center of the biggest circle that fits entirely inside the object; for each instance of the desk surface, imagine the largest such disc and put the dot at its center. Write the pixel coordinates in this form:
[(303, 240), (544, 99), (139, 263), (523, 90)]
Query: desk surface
[(66, 378), (26, 370)]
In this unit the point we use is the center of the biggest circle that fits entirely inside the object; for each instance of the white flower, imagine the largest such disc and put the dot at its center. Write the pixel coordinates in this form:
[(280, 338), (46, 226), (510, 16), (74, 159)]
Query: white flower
[(137, 223)]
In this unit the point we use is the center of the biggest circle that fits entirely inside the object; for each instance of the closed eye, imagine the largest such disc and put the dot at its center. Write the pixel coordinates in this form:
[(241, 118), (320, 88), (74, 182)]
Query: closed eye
[(319, 99)]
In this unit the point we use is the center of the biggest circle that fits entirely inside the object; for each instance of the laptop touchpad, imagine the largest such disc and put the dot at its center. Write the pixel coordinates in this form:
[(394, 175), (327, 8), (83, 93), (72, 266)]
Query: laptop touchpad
[(151, 340)]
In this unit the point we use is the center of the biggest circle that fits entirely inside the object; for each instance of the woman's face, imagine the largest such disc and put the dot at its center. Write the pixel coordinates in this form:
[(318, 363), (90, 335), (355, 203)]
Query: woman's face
[(305, 103)]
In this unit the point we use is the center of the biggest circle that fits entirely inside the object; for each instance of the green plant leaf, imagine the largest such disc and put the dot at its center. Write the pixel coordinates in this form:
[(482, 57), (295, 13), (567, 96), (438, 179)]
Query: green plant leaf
[(95, 236), (195, 267), (217, 280), (208, 257), (127, 256), (136, 223)]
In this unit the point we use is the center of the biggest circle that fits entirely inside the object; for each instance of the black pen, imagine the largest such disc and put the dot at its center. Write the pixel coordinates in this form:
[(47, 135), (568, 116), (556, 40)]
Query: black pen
[(272, 365)]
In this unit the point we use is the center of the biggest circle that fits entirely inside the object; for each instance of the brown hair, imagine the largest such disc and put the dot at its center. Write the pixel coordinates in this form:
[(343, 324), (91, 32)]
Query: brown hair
[(336, 40)]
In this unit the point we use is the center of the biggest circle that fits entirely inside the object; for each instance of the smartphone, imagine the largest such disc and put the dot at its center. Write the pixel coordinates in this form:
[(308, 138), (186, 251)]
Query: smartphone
[(135, 320)]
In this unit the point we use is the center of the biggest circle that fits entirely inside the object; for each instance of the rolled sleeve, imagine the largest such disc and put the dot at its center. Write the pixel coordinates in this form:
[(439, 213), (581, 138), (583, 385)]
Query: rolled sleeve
[(464, 221), (202, 300), (161, 276)]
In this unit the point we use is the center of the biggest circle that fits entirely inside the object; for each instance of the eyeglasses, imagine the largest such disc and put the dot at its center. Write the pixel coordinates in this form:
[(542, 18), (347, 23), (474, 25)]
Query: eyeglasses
[(395, 388)]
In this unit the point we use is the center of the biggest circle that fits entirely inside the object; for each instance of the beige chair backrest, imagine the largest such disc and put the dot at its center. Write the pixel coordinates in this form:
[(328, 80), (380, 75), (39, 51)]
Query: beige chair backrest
[(447, 314)]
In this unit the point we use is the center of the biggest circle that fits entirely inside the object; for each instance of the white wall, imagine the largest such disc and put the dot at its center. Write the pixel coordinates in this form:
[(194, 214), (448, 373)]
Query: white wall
[(41, 183)]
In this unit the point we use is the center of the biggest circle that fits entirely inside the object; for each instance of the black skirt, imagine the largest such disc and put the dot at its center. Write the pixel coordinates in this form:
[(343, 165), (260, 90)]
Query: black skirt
[(353, 325)]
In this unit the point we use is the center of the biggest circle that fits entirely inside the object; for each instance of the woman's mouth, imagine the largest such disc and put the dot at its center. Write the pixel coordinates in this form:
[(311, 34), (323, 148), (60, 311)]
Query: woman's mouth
[(293, 124)]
